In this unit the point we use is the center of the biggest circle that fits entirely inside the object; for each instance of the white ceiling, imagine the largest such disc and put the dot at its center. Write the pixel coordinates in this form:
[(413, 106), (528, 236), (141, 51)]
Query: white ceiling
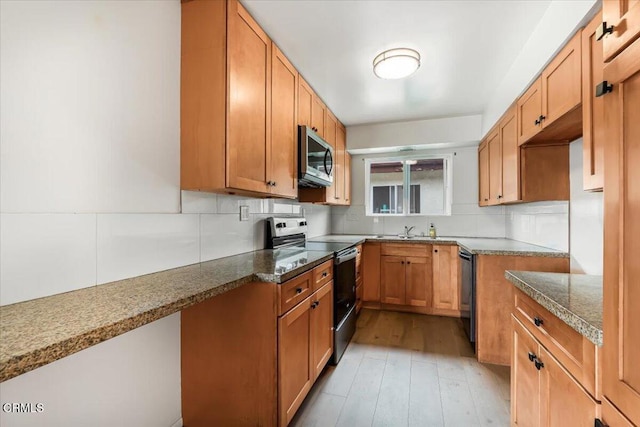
[(467, 48)]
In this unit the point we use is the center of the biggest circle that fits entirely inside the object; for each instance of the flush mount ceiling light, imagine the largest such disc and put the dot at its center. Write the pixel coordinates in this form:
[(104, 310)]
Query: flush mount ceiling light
[(396, 63)]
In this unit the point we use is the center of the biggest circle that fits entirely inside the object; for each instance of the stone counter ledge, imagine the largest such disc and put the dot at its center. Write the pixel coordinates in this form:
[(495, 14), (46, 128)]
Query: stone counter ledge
[(37, 332)]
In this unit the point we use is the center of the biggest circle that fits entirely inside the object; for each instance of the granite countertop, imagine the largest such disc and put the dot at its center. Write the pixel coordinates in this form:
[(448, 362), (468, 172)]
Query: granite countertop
[(43, 330), (475, 245), (575, 298)]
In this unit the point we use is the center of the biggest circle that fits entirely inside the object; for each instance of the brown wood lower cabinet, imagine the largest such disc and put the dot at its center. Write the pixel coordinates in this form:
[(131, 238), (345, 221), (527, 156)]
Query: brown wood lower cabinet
[(294, 356), (543, 393), (245, 364), (406, 280), (305, 344), (494, 301), (446, 278)]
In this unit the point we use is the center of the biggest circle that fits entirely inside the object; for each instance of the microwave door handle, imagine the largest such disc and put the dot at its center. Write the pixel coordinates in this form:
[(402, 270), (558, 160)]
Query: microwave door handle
[(328, 154)]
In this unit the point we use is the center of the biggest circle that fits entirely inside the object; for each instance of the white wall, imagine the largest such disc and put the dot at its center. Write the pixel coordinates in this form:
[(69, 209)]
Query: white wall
[(557, 25), (467, 218), (90, 193), (419, 134), (586, 215)]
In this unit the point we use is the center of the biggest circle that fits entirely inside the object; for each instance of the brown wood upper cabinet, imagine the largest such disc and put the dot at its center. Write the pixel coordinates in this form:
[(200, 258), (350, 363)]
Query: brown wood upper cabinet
[(592, 108), (622, 18), (549, 109), (621, 297), (509, 173), (483, 169), (319, 116), (305, 102), (230, 140)]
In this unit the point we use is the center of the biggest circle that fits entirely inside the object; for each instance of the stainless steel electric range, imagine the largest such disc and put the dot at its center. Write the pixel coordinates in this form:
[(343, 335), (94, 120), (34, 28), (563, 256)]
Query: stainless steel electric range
[(288, 232)]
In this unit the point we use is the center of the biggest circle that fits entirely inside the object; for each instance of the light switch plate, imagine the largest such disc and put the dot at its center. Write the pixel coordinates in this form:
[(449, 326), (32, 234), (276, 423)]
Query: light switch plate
[(244, 213)]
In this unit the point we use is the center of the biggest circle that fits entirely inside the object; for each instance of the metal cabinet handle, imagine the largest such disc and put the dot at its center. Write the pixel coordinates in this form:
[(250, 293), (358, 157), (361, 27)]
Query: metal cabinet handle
[(298, 290), (401, 262), (538, 321), (532, 356), (408, 262), (603, 88), (315, 304), (603, 29), (539, 364), (325, 274), (435, 250), (537, 122)]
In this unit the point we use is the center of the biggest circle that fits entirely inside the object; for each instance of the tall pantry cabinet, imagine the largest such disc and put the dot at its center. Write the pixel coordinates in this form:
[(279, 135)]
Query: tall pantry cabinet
[(621, 317)]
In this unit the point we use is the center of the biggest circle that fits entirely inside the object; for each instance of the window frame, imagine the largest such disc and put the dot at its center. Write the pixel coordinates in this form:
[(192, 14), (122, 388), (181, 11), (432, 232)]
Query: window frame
[(406, 183)]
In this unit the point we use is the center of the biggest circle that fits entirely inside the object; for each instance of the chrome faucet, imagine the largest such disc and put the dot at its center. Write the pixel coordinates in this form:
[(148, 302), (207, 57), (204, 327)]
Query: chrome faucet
[(407, 230)]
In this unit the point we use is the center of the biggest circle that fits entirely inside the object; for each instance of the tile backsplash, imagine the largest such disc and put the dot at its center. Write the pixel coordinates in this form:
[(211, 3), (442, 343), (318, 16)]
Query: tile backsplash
[(540, 223), (45, 254)]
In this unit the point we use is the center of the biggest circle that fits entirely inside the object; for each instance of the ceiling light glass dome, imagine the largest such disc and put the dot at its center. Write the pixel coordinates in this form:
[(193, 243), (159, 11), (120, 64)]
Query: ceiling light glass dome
[(396, 63)]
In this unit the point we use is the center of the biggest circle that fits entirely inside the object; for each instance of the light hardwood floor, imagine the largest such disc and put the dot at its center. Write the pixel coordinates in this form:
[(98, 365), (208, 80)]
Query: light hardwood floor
[(403, 369)]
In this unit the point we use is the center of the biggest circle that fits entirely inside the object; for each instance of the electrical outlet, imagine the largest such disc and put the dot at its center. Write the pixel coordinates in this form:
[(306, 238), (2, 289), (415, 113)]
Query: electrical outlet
[(244, 213)]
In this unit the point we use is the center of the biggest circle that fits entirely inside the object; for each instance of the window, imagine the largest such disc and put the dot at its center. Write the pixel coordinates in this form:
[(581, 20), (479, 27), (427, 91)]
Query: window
[(408, 186)]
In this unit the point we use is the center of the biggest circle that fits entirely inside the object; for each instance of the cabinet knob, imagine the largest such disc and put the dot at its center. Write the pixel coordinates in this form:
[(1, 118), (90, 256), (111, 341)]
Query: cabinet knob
[(315, 304), (486, 200), (401, 262), (499, 196), (603, 30), (538, 321), (542, 118), (408, 262), (325, 274), (532, 356), (537, 122), (435, 250), (539, 364), (298, 290), (603, 88)]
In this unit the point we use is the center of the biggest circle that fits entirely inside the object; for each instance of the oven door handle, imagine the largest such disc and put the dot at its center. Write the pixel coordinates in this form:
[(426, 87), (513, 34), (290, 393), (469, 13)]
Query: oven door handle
[(346, 256)]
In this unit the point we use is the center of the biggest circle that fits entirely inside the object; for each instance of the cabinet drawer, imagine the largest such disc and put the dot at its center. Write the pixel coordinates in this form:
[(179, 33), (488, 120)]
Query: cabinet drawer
[(404, 249), (577, 354), (295, 290), (322, 274)]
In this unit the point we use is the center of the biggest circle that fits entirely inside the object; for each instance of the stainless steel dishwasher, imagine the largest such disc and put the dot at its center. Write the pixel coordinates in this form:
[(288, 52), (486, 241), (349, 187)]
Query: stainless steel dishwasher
[(468, 293)]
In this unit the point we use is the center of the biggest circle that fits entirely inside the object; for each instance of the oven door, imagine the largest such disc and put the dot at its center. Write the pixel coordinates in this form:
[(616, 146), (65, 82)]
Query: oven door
[(344, 284)]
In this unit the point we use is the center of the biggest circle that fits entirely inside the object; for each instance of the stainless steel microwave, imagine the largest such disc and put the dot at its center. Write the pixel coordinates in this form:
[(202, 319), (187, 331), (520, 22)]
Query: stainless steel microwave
[(315, 159)]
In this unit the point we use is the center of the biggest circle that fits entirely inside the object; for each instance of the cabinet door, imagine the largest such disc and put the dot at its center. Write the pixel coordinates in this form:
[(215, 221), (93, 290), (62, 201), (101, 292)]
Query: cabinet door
[(318, 115), (561, 82), (621, 294), (295, 375), (624, 15), (321, 328), (249, 102), (483, 170), (418, 281), (510, 158), (495, 168), (446, 287), (371, 272), (392, 271), (563, 401), (338, 159), (284, 136), (592, 108), (305, 101), (529, 110), (347, 178), (525, 385)]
